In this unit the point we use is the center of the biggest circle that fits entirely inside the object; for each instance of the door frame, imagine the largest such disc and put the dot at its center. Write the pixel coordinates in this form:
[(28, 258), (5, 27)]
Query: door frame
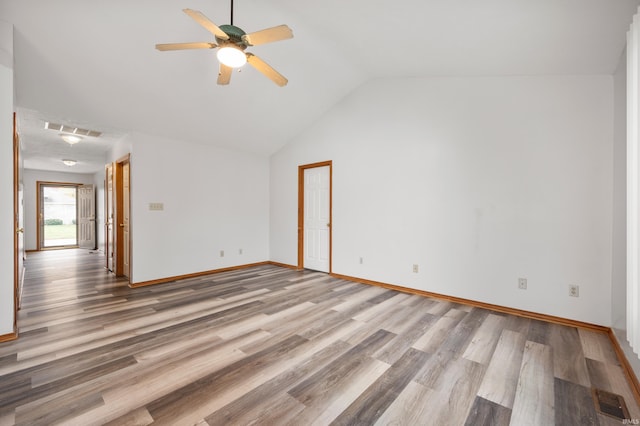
[(18, 252), (118, 213), (40, 219), (301, 170), (108, 218)]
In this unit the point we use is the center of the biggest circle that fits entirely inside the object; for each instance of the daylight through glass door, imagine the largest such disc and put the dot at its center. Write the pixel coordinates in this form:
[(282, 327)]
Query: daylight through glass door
[(59, 215)]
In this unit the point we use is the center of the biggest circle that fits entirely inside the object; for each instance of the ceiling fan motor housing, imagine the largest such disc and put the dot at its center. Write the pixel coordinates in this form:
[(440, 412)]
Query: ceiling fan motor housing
[(235, 36)]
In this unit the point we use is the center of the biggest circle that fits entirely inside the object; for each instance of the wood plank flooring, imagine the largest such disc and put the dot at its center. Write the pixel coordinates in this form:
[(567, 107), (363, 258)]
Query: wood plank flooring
[(273, 346)]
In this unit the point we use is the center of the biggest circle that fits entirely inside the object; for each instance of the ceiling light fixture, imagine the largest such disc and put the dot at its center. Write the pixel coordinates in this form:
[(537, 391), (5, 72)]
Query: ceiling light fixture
[(232, 42), (231, 56), (69, 162), (71, 139)]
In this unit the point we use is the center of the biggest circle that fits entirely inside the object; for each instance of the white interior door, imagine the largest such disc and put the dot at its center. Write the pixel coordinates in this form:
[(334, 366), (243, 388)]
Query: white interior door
[(20, 253), (317, 218), (86, 217)]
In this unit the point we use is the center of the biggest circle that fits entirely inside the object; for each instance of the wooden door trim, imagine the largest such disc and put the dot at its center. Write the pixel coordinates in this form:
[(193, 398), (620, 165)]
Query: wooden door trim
[(39, 185), (118, 213), (16, 219), (124, 159), (301, 170), (108, 220)]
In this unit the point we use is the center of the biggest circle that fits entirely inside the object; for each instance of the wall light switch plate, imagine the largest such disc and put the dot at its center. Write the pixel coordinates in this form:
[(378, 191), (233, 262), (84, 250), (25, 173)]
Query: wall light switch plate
[(156, 206)]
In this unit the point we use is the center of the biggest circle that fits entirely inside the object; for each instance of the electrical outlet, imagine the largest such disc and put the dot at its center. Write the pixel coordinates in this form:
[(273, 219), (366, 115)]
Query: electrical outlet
[(415, 268), (221, 253), (574, 290), (522, 283)]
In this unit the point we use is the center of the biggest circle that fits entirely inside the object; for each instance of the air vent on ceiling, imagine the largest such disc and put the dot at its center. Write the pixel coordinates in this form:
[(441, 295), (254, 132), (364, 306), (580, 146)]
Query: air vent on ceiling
[(71, 130)]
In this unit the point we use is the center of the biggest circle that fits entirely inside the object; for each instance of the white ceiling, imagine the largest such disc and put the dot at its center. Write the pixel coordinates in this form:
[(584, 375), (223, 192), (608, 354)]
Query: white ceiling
[(92, 64)]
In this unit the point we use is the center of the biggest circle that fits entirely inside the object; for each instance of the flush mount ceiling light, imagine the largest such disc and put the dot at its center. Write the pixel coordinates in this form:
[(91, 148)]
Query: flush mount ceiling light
[(69, 162), (71, 139), (232, 42)]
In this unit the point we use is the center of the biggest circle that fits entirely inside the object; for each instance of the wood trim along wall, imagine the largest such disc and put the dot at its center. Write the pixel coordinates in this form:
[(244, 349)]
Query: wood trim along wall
[(628, 370), (301, 170), (468, 302), (8, 337), (626, 367), (195, 274), (213, 271), (284, 265)]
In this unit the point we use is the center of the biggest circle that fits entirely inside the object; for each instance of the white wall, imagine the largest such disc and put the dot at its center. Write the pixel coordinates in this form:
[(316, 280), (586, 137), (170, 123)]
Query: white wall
[(213, 199), (6, 180), (619, 236), (480, 181), (31, 178), (121, 148)]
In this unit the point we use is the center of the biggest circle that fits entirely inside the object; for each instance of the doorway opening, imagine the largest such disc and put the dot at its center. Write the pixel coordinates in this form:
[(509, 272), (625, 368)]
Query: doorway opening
[(122, 177), (117, 205), (315, 187), (58, 211), (66, 216)]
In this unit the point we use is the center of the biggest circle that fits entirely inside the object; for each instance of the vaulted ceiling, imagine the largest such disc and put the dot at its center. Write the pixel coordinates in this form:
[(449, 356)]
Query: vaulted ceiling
[(93, 64)]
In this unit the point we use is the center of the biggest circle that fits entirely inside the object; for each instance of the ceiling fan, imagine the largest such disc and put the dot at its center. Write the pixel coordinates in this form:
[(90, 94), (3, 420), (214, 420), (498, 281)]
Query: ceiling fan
[(232, 42)]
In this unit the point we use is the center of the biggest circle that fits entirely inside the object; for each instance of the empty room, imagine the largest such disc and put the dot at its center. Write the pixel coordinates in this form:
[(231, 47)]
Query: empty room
[(277, 212)]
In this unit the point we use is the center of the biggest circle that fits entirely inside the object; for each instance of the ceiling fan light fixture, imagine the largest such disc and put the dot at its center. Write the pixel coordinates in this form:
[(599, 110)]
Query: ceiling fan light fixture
[(232, 42), (71, 139), (69, 162), (231, 56)]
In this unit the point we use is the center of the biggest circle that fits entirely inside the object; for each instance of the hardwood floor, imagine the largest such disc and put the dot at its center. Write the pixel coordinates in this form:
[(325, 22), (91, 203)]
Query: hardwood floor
[(272, 346)]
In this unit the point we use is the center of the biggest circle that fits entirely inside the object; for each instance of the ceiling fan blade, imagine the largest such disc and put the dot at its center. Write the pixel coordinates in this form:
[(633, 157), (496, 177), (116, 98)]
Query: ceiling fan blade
[(207, 23), (182, 46), (267, 70), (224, 74), (269, 35)]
